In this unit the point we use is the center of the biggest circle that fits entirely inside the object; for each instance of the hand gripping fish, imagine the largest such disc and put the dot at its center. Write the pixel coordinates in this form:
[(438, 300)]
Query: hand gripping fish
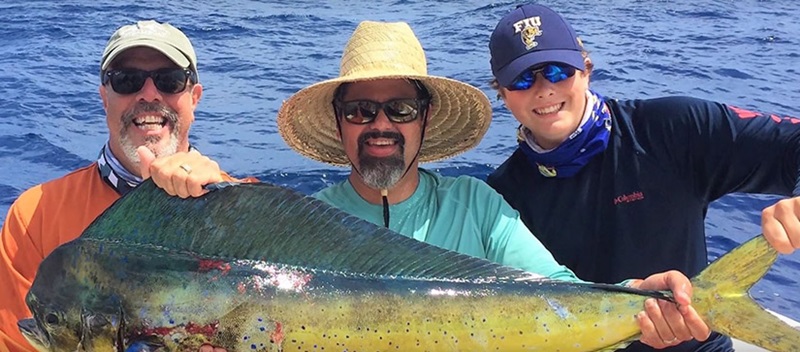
[(256, 267)]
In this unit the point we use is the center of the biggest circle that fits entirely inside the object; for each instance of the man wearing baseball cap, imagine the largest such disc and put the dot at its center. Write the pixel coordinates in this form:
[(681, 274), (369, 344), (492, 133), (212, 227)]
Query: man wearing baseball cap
[(620, 188), (150, 88)]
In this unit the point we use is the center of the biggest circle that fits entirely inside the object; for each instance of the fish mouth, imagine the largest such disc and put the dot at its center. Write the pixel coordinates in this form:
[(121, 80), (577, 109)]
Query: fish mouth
[(30, 330)]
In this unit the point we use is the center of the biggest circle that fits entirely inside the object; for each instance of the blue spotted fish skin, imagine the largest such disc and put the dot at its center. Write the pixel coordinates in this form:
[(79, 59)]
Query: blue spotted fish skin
[(260, 268), (248, 305)]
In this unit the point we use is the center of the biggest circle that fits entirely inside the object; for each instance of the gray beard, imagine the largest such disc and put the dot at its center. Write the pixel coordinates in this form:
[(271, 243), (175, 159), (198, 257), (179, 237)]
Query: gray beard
[(129, 148), (382, 173)]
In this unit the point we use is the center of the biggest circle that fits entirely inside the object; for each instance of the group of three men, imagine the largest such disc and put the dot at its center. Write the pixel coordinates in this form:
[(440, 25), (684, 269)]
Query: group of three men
[(382, 116)]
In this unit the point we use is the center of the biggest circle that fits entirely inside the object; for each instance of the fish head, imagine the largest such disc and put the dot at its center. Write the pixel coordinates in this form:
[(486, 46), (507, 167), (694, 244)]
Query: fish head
[(71, 306), (57, 327), (50, 328)]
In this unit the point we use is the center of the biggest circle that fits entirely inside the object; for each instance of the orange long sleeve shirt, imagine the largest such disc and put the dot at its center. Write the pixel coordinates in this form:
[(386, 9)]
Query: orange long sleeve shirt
[(41, 219)]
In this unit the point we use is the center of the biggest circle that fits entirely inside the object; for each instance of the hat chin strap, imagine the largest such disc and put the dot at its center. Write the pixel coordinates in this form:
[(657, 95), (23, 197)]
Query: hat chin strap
[(385, 192)]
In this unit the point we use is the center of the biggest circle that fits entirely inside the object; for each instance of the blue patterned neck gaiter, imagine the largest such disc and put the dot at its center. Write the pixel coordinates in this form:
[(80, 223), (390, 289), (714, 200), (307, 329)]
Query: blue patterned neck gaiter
[(114, 174), (590, 139)]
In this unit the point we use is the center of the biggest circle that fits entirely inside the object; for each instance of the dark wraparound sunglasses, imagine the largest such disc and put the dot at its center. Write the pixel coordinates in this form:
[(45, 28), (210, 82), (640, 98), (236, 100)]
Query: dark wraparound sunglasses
[(552, 72), (362, 112), (166, 80)]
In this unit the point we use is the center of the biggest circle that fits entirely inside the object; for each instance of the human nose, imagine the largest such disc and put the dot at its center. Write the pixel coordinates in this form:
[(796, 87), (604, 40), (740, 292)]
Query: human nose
[(542, 87), (382, 121), (149, 92)]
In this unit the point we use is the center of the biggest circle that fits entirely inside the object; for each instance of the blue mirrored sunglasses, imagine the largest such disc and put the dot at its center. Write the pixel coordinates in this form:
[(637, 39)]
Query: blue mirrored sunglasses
[(552, 72)]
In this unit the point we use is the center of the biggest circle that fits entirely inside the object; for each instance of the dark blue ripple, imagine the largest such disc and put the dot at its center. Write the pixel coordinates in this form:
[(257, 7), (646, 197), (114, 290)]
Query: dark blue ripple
[(733, 73), (7, 196), (36, 149)]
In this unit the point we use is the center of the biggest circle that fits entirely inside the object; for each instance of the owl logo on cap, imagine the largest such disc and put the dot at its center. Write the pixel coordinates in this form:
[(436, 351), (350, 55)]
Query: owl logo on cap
[(529, 30), (529, 35)]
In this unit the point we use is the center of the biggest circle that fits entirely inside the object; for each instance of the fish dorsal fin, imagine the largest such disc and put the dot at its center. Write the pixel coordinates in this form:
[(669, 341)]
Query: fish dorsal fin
[(260, 221)]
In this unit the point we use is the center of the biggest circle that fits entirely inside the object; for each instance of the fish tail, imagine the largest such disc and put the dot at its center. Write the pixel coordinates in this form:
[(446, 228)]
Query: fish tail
[(721, 297)]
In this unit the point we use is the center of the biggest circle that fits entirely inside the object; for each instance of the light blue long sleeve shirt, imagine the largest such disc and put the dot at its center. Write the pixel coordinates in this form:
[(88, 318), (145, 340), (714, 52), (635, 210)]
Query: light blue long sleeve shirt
[(461, 214)]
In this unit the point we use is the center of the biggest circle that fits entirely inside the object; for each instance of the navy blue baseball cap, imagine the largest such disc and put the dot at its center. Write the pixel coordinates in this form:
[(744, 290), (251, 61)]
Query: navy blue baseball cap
[(528, 36)]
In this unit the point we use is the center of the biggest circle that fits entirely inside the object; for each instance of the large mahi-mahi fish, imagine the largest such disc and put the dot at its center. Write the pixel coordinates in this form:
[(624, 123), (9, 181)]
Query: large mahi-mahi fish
[(255, 267)]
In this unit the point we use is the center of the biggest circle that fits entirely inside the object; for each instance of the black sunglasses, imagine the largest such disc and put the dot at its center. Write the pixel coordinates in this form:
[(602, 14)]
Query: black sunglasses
[(361, 112), (166, 80)]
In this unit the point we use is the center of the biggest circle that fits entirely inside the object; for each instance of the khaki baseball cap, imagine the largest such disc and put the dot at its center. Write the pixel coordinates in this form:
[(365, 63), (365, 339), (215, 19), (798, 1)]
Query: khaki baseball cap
[(163, 37)]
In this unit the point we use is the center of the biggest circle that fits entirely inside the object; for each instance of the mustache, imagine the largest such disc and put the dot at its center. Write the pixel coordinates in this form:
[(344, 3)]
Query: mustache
[(362, 139), (154, 108)]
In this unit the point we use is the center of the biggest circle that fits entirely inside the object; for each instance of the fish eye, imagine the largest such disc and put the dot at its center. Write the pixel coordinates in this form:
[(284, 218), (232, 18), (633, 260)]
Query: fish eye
[(51, 319)]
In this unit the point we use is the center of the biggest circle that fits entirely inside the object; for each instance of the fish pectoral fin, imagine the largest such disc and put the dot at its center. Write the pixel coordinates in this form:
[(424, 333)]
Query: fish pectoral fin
[(147, 345), (97, 333)]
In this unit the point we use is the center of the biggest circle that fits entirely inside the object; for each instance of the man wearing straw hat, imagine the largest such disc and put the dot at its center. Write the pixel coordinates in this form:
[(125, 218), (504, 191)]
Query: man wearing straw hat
[(384, 115)]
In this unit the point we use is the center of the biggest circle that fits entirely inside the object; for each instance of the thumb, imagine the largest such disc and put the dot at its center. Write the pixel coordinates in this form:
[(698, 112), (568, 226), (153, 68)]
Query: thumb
[(146, 158)]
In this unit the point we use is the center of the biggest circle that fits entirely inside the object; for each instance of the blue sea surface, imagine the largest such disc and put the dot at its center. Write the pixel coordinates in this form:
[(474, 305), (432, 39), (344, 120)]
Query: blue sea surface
[(254, 54)]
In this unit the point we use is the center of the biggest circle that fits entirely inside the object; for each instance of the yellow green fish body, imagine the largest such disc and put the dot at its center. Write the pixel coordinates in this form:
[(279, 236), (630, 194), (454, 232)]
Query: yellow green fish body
[(260, 268)]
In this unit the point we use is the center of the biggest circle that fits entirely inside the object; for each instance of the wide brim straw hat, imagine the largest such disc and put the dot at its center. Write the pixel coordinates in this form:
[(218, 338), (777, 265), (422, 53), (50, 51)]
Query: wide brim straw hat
[(459, 117)]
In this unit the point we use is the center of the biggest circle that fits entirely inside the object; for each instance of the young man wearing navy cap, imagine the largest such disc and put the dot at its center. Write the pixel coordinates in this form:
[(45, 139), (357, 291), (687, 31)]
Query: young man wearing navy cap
[(620, 188)]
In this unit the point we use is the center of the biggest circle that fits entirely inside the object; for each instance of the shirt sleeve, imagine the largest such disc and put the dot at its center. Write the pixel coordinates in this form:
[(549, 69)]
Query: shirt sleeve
[(723, 149), (764, 154), (19, 259)]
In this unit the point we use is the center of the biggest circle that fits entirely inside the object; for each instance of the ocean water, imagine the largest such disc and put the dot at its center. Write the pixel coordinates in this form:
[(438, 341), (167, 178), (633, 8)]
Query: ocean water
[(254, 54)]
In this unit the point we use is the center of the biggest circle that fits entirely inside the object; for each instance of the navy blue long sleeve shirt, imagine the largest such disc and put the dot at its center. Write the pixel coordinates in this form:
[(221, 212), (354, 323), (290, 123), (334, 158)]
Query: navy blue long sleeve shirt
[(639, 207)]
